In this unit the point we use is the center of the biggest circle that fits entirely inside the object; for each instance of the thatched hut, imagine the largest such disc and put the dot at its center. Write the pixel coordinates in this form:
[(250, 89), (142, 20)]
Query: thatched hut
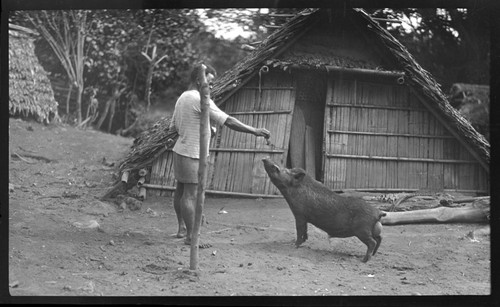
[(30, 91), (347, 102)]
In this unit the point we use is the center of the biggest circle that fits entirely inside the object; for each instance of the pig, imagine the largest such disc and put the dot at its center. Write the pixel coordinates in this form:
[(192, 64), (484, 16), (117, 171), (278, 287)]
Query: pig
[(313, 202)]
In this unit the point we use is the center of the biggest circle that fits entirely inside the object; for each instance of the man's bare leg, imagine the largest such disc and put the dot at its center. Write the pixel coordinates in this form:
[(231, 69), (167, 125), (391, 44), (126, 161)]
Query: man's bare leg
[(188, 205), (179, 191)]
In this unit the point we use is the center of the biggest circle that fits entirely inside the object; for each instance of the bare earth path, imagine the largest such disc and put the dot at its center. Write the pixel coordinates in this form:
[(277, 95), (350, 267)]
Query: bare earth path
[(54, 251)]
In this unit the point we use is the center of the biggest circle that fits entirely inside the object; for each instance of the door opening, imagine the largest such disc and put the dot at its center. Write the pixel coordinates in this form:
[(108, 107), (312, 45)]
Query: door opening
[(306, 135)]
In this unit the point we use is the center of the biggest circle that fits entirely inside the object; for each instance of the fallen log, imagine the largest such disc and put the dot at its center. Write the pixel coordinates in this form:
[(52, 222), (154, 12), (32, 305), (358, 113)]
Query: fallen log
[(436, 215), (469, 200)]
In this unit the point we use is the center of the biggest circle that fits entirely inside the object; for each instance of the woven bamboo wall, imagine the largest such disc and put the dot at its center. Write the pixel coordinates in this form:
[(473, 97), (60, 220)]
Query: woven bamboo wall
[(162, 173), (378, 136), (235, 159), (235, 162)]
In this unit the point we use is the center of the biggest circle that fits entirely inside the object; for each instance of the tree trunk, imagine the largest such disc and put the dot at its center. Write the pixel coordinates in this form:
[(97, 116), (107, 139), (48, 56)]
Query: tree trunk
[(149, 80), (133, 99), (79, 104), (125, 124), (111, 101), (111, 115), (88, 111), (68, 98), (105, 113)]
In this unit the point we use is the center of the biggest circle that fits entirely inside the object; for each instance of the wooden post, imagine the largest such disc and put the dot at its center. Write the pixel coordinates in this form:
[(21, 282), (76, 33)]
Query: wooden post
[(142, 190), (142, 193), (202, 172)]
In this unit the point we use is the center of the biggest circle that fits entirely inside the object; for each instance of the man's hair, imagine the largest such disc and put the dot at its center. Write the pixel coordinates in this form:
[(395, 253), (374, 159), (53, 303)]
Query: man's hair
[(196, 71)]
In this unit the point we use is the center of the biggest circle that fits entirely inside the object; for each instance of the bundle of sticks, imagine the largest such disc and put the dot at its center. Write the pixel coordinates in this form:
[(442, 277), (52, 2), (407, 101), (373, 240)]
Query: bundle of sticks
[(148, 146)]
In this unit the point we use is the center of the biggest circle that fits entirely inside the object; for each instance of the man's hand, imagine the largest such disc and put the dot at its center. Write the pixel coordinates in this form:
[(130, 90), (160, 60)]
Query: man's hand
[(262, 132)]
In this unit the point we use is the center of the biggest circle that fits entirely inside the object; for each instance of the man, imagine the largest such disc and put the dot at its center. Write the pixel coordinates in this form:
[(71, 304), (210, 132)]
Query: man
[(186, 121)]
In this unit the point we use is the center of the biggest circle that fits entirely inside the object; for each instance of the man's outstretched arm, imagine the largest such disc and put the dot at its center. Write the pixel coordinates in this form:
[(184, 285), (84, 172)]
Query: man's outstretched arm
[(236, 125)]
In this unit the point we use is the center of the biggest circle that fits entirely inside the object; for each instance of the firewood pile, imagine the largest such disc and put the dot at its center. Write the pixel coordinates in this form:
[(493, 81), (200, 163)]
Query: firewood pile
[(148, 146)]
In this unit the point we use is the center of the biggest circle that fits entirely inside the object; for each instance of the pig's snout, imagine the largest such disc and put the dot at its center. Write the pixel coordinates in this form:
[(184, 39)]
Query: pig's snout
[(269, 165), (267, 162)]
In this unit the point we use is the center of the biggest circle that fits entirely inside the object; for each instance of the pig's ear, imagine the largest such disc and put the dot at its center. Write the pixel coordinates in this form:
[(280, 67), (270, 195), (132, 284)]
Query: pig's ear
[(299, 174)]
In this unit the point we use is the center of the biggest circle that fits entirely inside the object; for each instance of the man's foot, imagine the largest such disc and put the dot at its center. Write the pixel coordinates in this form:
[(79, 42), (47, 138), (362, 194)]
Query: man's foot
[(200, 244), (181, 234)]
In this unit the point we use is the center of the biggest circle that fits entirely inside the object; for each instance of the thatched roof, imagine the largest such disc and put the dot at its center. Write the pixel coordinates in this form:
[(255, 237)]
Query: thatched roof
[(416, 77), (30, 91), (265, 51), (268, 52)]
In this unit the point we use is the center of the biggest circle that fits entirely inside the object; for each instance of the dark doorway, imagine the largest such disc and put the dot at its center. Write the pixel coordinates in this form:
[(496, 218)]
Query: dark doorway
[(306, 135)]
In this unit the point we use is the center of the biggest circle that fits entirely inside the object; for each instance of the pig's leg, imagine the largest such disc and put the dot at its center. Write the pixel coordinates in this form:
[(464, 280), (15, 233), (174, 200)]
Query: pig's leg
[(377, 229), (371, 243), (301, 226), (379, 240)]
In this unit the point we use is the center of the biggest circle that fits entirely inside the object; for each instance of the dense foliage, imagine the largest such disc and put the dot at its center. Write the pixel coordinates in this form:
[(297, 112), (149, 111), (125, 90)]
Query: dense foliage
[(451, 43), (137, 58), (118, 39)]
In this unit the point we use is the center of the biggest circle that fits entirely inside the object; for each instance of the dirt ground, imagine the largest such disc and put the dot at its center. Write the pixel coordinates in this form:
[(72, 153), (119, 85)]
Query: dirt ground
[(58, 174)]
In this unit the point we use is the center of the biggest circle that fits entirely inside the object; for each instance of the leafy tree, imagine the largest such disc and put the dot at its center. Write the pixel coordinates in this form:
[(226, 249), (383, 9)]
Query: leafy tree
[(143, 50), (106, 67), (220, 53), (65, 31), (258, 22), (452, 43), (117, 53)]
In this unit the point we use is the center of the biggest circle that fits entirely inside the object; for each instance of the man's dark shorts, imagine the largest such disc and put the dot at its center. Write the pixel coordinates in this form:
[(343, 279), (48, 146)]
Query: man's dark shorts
[(186, 169)]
